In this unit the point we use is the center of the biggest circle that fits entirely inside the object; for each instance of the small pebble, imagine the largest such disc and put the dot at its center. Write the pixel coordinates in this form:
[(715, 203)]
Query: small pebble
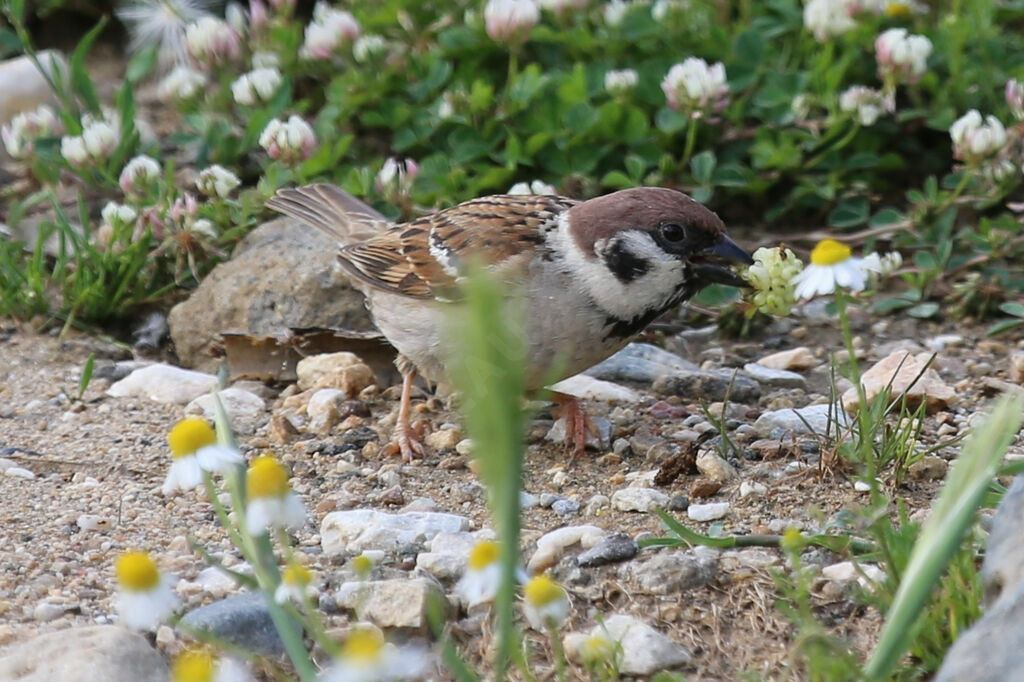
[(707, 512)]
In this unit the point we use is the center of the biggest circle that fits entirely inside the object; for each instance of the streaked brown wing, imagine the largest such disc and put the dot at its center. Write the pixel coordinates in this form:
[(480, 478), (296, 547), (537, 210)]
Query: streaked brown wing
[(331, 210), (423, 258)]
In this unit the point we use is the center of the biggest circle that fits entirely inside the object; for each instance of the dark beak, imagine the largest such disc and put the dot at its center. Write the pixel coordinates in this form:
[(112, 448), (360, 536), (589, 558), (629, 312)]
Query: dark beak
[(710, 264)]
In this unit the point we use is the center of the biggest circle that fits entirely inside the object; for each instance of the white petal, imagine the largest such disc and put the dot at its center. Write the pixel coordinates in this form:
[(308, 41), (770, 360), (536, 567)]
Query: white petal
[(218, 458), (146, 610), (184, 474)]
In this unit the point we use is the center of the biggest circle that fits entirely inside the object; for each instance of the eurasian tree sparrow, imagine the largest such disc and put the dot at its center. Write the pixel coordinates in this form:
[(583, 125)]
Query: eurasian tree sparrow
[(593, 273)]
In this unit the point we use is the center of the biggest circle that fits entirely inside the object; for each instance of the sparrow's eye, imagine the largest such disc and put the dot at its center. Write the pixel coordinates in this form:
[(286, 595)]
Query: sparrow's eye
[(673, 232)]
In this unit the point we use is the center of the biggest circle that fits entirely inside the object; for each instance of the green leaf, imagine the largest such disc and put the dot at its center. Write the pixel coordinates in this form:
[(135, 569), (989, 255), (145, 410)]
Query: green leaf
[(888, 305), (924, 310), (850, 212), (750, 46), (1015, 308), (83, 381), (925, 260), (886, 216), (636, 166), (81, 82), (617, 179), (702, 166), (141, 64), (671, 122), (580, 118), (1003, 326), (731, 174)]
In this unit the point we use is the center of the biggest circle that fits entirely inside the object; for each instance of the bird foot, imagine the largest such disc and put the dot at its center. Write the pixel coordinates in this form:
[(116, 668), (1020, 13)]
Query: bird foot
[(407, 439), (577, 424)]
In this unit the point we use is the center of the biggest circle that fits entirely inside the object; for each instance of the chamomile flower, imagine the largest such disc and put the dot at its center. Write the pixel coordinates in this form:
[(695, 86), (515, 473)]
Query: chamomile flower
[(598, 649), (832, 265), (194, 449), (367, 657), (546, 604), (144, 597), (195, 665), (272, 504), (482, 578), (296, 585)]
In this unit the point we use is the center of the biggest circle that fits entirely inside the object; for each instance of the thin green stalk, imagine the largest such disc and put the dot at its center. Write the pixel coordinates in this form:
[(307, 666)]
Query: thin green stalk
[(558, 652), (691, 142)]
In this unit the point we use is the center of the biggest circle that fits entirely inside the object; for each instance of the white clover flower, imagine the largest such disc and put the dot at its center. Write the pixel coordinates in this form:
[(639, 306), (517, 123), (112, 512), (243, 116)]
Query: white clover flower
[(974, 139), (801, 106), (771, 277), (997, 171), (510, 21), (901, 56), (196, 665), (139, 174), (330, 30), (117, 215), (367, 657), (545, 603), (395, 177), (182, 83), (144, 597), (194, 449), (615, 12), (479, 584), (272, 504), (368, 48), (621, 82), (204, 227), (20, 135), (259, 85), (237, 18), (97, 142), (884, 265), (296, 585), (265, 60), (446, 108), (289, 141), (693, 86), (1015, 98), (832, 264), (217, 181), (212, 42), (867, 104), (829, 18), (538, 187), (161, 23), (662, 9)]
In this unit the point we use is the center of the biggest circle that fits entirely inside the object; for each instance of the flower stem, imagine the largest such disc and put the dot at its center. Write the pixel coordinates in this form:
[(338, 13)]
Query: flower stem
[(691, 142)]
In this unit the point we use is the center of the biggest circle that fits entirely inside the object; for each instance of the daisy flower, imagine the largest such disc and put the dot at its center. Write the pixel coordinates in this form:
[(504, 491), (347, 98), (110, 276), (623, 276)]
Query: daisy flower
[(144, 597), (546, 605), (296, 585), (194, 449), (832, 265), (201, 666), (367, 657), (480, 583), (272, 504)]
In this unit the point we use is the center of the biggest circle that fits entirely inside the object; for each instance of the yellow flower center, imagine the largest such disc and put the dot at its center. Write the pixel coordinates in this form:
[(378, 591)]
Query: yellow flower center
[(193, 666), (136, 572), (296, 574), (363, 646), (267, 478), (189, 435), (483, 555), (830, 252), (362, 565), (596, 648), (898, 10), (542, 590)]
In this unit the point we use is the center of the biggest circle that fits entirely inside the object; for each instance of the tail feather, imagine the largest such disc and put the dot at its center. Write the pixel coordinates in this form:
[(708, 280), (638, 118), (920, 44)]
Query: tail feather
[(331, 210)]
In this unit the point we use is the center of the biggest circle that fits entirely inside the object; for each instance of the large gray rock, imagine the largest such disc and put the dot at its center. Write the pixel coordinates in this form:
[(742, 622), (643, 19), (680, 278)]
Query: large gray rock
[(641, 650), (1003, 569), (711, 385), (101, 652), (993, 649), (813, 419), (242, 620), (640, 362), (281, 275)]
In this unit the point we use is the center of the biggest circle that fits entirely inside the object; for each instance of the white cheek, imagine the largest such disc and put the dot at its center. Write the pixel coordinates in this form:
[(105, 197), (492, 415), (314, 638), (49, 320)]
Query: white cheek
[(622, 300)]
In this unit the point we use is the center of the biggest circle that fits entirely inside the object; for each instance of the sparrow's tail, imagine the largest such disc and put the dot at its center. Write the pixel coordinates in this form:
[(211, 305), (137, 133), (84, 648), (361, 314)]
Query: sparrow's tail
[(331, 210)]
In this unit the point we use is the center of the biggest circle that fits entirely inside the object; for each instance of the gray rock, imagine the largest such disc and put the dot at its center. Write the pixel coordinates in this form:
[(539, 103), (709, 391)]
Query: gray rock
[(638, 499), (641, 650), (609, 549), (398, 603), (357, 530), (670, 572), (775, 378), (586, 387), (102, 652), (565, 507), (246, 411), (1003, 568), (801, 421), (712, 465), (282, 275), (710, 385), (242, 620), (552, 545), (640, 362), (164, 384), (992, 650)]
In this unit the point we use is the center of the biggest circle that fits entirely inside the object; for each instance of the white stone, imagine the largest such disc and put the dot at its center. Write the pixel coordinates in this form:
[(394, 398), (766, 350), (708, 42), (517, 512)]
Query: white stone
[(45, 611), (23, 88), (816, 419), (748, 488), (164, 384), (794, 358), (93, 522), (398, 603), (715, 468), (551, 546), (644, 650), (774, 378), (587, 387), (707, 512), (638, 499), (216, 582), (862, 486), (357, 530), (246, 411), (19, 472), (105, 652), (847, 571), (343, 371)]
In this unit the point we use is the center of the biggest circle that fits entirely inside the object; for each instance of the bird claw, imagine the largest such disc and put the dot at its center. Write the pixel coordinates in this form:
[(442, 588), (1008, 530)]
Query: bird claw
[(406, 440)]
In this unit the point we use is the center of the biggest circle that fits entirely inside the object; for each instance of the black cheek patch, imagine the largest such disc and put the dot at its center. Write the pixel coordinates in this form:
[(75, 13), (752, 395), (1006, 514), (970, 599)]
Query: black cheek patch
[(624, 265)]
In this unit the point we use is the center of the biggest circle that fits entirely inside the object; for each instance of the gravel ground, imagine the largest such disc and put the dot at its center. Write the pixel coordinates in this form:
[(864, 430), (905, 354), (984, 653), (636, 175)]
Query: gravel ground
[(82, 484)]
